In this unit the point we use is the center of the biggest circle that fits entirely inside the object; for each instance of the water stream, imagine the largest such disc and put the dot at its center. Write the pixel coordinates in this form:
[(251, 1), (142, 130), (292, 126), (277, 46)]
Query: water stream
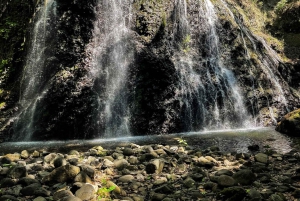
[(208, 91), (111, 55), (226, 140), (33, 85)]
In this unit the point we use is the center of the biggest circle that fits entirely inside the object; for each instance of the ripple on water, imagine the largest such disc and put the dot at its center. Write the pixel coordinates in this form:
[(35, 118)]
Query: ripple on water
[(227, 140)]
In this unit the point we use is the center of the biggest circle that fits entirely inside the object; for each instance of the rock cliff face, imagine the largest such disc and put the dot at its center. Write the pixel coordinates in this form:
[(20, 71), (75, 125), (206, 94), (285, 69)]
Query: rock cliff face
[(190, 65)]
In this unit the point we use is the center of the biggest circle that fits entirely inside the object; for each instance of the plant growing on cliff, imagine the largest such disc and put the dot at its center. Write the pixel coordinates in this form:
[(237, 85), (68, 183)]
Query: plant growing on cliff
[(186, 43), (281, 5)]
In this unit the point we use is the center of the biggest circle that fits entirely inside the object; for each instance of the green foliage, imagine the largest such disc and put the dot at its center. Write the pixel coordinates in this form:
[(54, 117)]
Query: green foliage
[(6, 28), (186, 43), (281, 5), (104, 191), (164, 20), (181, 141)]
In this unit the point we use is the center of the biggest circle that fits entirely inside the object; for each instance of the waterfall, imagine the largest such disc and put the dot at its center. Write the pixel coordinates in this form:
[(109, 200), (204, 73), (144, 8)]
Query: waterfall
[(208, 91), (268, 58), (111, 55), (32, 87)]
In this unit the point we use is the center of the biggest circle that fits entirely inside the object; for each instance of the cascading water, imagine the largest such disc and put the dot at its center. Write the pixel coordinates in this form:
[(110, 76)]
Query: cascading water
[(208, 92), (111, 55), (268, 58), (32, 87)]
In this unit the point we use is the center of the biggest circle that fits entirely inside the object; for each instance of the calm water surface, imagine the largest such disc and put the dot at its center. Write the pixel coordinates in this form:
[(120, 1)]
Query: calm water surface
[(226, 140)]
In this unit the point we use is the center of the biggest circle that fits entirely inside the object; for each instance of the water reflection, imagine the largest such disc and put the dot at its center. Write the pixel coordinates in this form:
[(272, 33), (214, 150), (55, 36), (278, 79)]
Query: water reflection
[(226, 140)]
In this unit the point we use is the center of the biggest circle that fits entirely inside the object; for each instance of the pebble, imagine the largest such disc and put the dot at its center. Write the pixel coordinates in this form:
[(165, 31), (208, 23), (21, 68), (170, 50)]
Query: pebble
[(139, 172)]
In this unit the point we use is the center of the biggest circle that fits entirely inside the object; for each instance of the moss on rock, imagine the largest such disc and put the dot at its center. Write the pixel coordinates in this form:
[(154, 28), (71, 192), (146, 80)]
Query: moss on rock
[(290, 124)]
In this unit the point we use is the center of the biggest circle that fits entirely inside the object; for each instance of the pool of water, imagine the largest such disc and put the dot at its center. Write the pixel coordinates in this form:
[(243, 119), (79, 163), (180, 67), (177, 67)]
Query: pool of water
[(226, 140)]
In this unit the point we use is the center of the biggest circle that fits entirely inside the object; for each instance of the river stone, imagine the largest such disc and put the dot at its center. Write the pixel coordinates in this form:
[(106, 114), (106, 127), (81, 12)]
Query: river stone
[(128, 151), (89, 170), (39, 199), (7, 182), (36, 154), (116, 189), (262, 158), (155, 166), (86, 192), (276, 197), (24, 154), (8, 158), (74, 152), (244, 177), (49, 158), (254, 194), (126, 178), (121, 164), (189, 182), (158, 197), (108, 163), (41, 192), (83, 177), (29, 190), (61, 194), (62, 174), (233, 193), (133, 160), (290, 123), (25, 181), (59, 161), (225, 181), (71, 198), (8, 198), (17, 172), (224, 172)]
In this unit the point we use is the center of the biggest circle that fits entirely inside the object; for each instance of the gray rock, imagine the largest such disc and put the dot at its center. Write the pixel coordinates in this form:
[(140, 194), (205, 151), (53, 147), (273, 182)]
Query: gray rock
[(61, 194), (244, 177), (233, 193), (74, 152), (224, 172), (59, 161), (155, 166), (158, 197), (62, 174), (121, 164), (15, 190), (8, 197), (262, 158), (83, 177), (40, 199), (225, 181), (128, 152), (89, 170), (276, 197), (254, 195), (189, 182), (126, 178), (133, 160), (29, 190), (50, 158), (86, 192), (17, 172), (25, 181), (41, 192), (7, 182), (71, 198), (24, 154)]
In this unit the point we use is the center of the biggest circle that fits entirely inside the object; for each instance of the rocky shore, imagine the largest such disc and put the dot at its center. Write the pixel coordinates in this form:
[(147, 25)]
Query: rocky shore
[(150, 172)]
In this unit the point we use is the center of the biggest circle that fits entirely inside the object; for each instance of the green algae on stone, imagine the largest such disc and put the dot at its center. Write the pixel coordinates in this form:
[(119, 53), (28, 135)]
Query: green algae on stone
[(290, 124)]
